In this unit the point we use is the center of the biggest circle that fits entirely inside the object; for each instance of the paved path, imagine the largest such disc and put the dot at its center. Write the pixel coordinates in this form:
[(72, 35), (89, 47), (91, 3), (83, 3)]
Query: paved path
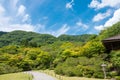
[(40, 76)]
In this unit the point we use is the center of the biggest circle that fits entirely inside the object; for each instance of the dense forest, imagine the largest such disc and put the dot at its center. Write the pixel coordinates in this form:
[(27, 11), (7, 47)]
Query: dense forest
[(70, 55)]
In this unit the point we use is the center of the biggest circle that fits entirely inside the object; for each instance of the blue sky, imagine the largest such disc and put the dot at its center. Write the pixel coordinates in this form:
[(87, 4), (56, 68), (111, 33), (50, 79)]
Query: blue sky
[(56, 17)]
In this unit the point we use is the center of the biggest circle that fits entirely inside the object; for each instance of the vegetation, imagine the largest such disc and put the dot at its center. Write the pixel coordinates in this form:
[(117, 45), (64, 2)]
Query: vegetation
[(77, 38), (16, 76), (80, 55), (110, 31), (62, 77), (1, 33)]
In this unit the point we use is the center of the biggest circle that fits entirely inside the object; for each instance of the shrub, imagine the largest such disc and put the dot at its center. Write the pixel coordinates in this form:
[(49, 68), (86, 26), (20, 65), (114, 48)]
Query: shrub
[(69, 71), (117, 77), (98, 75), (5, 68), (59, 69), (88, 71), (78, 71), (81, 66), (113, 73)]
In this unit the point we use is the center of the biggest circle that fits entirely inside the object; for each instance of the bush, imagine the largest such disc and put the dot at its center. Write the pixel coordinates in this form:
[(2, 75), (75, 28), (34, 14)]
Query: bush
[(98, 75), (113, 73), (59, 69), (80, 66), (88, 71), (78, 71), (69, 71), (4, 69), (117, 77)]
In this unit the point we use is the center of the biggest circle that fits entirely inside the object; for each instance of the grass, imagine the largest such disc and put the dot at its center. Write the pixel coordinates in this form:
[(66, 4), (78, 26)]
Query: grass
[(59, 77), (16, 76)]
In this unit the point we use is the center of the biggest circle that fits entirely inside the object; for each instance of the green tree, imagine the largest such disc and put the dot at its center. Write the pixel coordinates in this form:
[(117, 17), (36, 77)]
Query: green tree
[(93, 48)]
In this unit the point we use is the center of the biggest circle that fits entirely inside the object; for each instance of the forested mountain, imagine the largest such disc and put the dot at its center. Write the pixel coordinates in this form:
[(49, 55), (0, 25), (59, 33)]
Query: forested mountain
[(1, 33), (77, 38), (26, 39), (36, 39)]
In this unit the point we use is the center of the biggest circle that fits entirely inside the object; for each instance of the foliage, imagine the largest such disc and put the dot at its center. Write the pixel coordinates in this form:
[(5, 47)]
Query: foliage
[(93, 48), (81, 66), (26, 39), (5, 68), (115, 60), (1, 33), (76, 38), (110, 31), (36, 40), (71, 55)]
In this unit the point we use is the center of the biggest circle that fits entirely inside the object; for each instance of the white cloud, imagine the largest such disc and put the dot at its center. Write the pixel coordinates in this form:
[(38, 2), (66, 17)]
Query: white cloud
[(69, 5), (97, 4), (80, 24), (12, 27), (111, 21), (13, 4), (2, 10), (40, 28), (101, 16), (11, 22), (4, 20), (114, 19), (7, 26), (21, 13), (62, 30), (26, 18), (21, 10), (94, 4), (101, 27)]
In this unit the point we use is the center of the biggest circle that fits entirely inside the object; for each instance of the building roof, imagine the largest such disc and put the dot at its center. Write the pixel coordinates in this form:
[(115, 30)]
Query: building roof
[(112, 39), (112, 43)]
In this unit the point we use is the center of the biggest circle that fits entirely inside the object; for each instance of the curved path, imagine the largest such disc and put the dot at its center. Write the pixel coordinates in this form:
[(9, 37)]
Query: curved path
[(40, 76)]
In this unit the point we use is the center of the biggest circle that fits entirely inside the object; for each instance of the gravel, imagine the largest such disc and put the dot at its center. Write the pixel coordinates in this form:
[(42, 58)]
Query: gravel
[(40, 76)]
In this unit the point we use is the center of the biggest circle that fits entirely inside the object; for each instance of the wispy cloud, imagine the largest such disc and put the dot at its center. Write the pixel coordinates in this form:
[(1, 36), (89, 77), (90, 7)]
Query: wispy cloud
[(40, 28), (18, 19), (98, 4), (13, 4), (69, 5), (21, 10), (101, 16), (12, 27), (100, 27), (63, 30), (80, 24), (112, 4), (2, 10), (114, 19)]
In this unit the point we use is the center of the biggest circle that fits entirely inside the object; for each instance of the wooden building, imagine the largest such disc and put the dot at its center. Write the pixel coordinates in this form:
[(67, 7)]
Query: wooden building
[(112, 43)]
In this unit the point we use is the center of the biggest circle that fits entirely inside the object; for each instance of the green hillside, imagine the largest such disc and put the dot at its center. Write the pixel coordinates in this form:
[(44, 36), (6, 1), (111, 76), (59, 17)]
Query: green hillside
[(77, 38), (110, 31), (35, 39), (1, 33), (26, 39), (70, 55)]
